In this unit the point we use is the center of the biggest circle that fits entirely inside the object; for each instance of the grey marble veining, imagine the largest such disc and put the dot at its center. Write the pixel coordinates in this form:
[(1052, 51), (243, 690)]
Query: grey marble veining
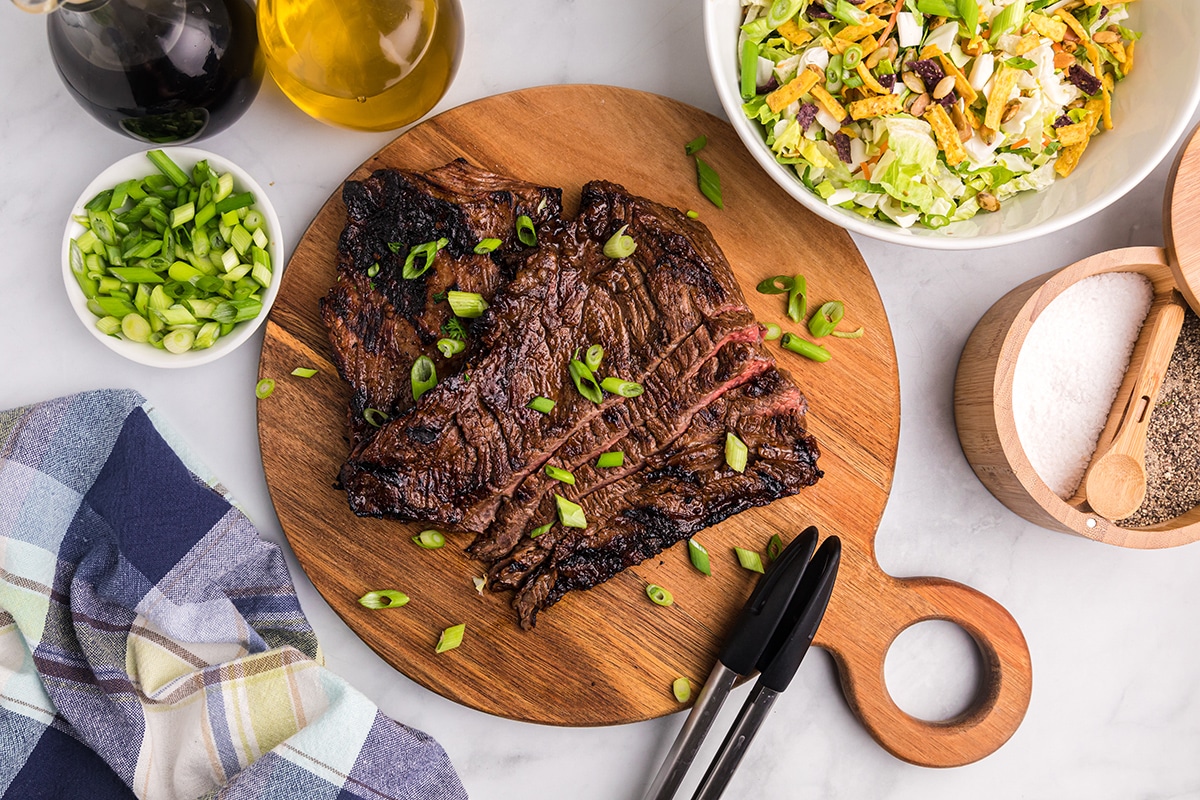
[(1115, 711)]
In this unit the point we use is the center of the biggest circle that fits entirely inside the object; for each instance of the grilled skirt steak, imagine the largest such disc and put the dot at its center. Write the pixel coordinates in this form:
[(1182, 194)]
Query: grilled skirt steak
[(379, 323), (469, 455)]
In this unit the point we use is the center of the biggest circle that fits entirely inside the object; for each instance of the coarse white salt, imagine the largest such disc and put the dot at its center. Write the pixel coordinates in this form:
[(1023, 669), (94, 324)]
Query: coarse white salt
[(1069, 370)]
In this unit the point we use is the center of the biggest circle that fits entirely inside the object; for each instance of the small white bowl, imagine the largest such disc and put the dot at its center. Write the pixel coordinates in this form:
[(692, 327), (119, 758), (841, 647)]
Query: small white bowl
[(1151, 112), (139, 166)]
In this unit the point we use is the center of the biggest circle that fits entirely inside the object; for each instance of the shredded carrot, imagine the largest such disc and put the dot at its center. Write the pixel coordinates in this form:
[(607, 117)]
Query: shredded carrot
[(1017, 145), (891, 23), (883, 148), (866, 170)]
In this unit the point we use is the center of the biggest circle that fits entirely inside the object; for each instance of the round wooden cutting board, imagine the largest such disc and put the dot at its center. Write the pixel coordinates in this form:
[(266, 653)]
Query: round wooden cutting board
[(608, 655)]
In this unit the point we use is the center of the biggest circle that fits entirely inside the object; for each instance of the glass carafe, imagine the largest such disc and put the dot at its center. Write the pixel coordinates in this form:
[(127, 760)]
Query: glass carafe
[(363, 64), (161, 71)]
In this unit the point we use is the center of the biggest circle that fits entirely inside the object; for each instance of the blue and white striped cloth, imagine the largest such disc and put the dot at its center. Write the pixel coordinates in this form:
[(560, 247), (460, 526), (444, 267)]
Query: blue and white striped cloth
[(152, 645)]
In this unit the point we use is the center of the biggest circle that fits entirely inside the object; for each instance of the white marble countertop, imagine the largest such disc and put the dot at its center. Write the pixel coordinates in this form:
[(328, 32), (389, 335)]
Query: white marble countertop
[(1115, 711)]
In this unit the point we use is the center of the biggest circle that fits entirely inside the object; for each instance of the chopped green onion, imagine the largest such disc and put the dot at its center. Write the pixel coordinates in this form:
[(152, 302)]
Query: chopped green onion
[(304, 372), (621, 387), (178, 341), (136, 275), (466, 304), (748, 72), (486, 246), (619, 245), (697, 144), (826, 319), (430, 539), (780, 11), (857, 333), (1008, 18), (1020, 63), (373, 270), (540, 529), (774, 546), (736, 452), (804, 347), (593, 357), (562, 475), (526, 233), (659, 596), (109, 326), (168, 167), (542, 404), (851, 56), (569, 514), (772, 333), (938, 8), (693, 214), (585, 381), (710, 182), (450, 638), (426, 252), (699, 557), (383, 598), (181, 214), (374, 417), (682, 689), (780, 284), (135, 328), (423, 376), (613, 458), (234, 202), (797, 307), (451, 347), (749, 559)]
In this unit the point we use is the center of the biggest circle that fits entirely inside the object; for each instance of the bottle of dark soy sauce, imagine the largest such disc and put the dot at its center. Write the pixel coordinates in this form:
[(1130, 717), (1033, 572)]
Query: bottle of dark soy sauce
[(161, 71)]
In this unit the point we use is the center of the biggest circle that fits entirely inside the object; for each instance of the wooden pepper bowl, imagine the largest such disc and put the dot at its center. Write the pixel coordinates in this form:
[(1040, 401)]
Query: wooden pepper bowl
[(983, 404)]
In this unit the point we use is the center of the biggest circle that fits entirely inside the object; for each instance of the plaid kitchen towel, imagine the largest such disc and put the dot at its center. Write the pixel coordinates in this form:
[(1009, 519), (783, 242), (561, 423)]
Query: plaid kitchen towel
[(152, 645)]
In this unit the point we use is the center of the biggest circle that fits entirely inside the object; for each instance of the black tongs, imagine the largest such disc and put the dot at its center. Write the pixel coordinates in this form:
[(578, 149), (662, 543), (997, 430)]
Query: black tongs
[(770, 637)]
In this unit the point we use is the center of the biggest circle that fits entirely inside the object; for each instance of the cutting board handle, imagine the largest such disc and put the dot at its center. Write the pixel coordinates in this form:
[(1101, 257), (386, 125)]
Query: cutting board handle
[(860, 651)]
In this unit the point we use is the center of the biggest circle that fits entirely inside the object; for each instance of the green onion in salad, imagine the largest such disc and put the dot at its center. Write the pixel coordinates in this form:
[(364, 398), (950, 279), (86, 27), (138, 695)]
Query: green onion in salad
[(927, 112)]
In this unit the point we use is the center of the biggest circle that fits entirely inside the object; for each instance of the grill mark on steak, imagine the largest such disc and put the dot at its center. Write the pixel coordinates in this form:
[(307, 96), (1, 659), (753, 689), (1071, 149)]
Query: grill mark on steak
[(565, 296), (633, 519), (379, 325), (654, 422)]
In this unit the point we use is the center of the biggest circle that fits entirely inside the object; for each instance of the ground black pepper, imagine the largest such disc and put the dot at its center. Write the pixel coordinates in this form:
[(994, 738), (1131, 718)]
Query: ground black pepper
[(1173, 436)]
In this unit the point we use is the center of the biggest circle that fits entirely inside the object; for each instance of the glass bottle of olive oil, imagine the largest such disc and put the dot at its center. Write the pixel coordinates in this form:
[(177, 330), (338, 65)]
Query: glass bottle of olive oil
[(367, 64)]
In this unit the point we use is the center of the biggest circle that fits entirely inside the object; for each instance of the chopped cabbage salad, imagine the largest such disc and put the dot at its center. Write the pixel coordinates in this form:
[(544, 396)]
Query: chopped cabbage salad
[(924, 112)]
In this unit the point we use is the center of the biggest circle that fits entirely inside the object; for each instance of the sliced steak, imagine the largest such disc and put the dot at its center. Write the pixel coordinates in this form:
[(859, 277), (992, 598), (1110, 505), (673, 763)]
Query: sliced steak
[(472, 440), (379, 323), (681, 386), (676, 493)]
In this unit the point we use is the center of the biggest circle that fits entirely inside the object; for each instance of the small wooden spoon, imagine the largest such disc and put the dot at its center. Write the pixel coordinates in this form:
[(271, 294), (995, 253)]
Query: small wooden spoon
[(1115, 484)]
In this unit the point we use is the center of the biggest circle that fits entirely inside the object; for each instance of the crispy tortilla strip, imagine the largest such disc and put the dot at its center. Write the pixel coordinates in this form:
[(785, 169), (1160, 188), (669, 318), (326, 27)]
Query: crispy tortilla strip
[(869, 80), (1003, 83), (1129, 59), (1069, 135), (1118, 51), (793, 90), (838, 45), (877, 106), (853, 33), (1050, 28), (962, 84), (1068, 158), (792, 31), (829, 102), (1029, 42), (946, 134), (1103, 103)]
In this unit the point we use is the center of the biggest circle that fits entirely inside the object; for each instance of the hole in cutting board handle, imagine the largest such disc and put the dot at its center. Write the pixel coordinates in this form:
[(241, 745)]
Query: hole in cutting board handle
[(934, 671)]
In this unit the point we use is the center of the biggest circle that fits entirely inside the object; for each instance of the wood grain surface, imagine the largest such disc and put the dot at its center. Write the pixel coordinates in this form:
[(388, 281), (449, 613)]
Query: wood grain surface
[(609, 655), (1181, 220)]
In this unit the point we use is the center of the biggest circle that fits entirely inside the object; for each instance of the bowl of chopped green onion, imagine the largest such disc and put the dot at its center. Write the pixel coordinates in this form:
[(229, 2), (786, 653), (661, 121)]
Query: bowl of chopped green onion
[(956, 124), (171, 257)]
